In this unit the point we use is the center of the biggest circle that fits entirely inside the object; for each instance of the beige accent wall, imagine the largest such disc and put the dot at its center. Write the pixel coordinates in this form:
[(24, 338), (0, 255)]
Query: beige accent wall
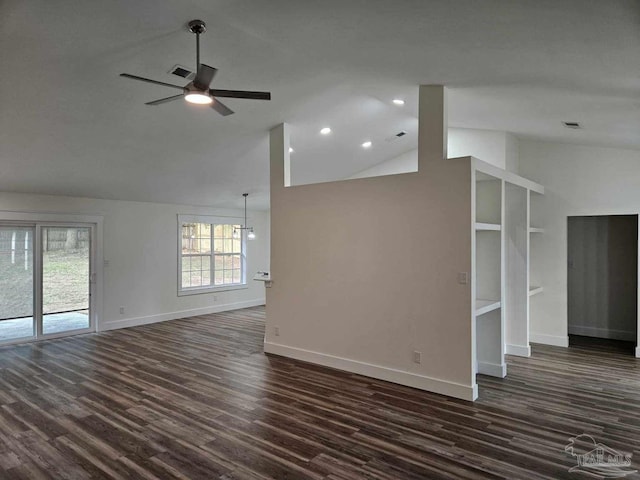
[(365, 271)]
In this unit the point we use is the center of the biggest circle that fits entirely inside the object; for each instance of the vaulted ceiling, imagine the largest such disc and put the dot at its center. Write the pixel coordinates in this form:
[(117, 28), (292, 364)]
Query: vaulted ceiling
[(69, 125)]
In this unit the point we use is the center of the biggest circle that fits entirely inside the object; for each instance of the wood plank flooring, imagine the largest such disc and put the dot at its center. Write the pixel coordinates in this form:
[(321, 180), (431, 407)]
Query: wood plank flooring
[(197, 399)]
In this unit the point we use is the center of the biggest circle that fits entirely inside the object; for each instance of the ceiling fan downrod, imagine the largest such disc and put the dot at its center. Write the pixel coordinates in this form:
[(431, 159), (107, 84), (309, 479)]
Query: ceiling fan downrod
[(197, 27)]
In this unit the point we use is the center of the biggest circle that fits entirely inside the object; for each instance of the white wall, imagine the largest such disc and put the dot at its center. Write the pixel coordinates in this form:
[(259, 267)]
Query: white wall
[(404, 163), (578, 180), (487, 145), (140, 244), (497, 148), (365, 271), (512, 153)]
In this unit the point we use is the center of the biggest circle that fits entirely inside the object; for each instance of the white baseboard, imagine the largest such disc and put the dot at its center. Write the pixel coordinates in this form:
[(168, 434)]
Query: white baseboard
[(163, 317), (492, 369), (637, 352), (554, 340), (443, 387), (518, 350), (602, 333)]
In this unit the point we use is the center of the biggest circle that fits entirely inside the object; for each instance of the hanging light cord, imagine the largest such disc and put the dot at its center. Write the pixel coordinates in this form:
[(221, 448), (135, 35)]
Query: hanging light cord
[(251, 234)]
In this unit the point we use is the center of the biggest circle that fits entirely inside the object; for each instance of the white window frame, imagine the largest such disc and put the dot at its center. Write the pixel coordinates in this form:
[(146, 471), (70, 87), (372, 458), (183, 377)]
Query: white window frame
[(212, 220)]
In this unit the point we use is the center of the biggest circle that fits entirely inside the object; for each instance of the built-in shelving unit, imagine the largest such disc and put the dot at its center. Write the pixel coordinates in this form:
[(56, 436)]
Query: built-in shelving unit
[(534, 253), (488, 274), (503, 282), (516, 280)]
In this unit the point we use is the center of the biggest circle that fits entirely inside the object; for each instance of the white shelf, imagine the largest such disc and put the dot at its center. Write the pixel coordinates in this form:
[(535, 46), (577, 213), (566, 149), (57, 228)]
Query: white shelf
[(488, 227), (536, 230), (486, 306), (535, 290)]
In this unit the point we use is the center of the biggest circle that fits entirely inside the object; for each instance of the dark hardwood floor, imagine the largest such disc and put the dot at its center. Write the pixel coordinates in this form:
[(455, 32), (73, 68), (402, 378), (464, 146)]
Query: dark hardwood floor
[(197, 399), (602, 344)]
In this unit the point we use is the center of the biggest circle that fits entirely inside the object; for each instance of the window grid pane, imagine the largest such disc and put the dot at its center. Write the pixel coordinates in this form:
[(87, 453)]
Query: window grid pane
[(198, 267)]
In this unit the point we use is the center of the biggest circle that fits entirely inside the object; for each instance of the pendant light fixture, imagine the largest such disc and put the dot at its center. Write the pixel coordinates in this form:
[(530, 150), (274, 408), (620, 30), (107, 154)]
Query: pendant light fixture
[(237, 231)]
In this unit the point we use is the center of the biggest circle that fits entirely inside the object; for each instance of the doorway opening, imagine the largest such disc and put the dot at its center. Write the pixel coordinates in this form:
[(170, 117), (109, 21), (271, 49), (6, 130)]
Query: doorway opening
[(46, 280), (603, 282)]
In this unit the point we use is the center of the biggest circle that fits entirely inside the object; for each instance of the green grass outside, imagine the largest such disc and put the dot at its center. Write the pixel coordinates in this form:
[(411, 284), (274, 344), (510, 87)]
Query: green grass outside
[(65, 278)]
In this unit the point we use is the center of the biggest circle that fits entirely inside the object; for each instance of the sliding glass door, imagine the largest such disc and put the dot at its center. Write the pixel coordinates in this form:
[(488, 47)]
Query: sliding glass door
[(17, 319), (66, 280), (45, 281)]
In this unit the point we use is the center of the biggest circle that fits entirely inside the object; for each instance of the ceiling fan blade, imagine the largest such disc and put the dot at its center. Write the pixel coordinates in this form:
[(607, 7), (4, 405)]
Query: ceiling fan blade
[(221, 108), (204, 76), (148, 80), (165, 100), (241, 94)]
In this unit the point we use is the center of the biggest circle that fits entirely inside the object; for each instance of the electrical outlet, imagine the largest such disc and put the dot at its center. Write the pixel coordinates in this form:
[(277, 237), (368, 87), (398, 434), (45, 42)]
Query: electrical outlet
[(121, 310), (417, 357), (463, 278), (276, 331), (106, 263), (215, 298)]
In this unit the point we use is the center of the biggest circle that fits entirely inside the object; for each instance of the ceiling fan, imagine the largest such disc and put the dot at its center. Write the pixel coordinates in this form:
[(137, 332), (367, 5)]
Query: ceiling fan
[(198, 90)]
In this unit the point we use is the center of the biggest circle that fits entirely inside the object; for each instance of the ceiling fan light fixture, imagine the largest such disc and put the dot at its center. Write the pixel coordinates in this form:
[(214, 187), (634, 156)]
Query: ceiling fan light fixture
[(197, 91), (199, 98)]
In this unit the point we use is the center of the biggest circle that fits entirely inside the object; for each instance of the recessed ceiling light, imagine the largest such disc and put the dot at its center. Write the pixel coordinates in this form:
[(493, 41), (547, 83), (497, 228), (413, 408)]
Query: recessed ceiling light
[(366, 144), (398, 101), (291, 150), (325, 131)]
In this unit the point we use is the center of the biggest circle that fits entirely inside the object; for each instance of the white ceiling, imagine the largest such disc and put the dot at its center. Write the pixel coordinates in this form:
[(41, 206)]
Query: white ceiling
[(69, 125)]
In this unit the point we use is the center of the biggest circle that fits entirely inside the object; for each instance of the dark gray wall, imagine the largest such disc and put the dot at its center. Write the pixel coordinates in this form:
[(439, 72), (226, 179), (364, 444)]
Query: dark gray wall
[(602, 276)]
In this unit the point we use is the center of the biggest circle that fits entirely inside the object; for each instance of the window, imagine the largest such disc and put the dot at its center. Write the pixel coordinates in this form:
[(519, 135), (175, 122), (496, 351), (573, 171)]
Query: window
[(212, 256)]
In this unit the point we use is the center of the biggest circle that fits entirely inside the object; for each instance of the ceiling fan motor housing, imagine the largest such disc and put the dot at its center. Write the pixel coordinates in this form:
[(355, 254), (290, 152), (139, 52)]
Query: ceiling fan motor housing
[(197, 26), (191, 88)]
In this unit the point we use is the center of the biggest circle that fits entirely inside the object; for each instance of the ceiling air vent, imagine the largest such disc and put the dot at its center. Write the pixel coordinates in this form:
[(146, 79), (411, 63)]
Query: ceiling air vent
[(395, 137), (574, 125), (181, 71)]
